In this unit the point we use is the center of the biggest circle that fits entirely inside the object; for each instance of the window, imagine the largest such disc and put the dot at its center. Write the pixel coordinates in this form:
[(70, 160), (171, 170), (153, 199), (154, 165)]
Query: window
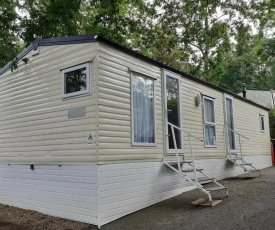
[(209, 122), (262, 123), (143, 110), (76, 80)]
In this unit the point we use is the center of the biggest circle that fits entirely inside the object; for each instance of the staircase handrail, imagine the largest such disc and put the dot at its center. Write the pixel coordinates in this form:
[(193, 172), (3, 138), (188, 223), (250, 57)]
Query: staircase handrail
[(190, 145), (181, 129), (240, 143), (236, 132)]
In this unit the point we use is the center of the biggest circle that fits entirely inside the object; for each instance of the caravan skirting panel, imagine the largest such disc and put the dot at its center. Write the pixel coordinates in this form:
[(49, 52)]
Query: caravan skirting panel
[(100, 194), (66, 191)]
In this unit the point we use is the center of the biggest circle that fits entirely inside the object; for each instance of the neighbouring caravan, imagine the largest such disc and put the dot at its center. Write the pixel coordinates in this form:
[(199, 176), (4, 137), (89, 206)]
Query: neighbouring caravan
[(90, 130), (264, 97)]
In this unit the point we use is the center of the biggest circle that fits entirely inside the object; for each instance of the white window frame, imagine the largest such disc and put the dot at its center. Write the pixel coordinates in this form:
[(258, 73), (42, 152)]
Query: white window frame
[(86, 91), (165, 116), (226, 118), (132, 112), (262, 119), (209, 123)]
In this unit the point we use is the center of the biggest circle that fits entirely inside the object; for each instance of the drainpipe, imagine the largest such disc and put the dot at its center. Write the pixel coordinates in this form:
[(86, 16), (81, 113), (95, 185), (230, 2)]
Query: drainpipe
[(244, 91)]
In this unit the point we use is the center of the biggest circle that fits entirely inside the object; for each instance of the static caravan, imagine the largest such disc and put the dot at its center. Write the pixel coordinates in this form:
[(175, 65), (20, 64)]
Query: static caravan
[(264, 97), (92, 131)]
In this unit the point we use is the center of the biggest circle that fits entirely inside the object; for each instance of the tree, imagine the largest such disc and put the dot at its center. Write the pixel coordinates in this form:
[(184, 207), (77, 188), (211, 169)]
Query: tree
[(49, 18), (9, 45)]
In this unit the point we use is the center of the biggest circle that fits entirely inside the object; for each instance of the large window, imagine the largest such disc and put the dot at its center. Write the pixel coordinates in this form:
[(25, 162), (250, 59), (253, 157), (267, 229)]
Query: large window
[(209, 122), (76, 80), (143, 110)]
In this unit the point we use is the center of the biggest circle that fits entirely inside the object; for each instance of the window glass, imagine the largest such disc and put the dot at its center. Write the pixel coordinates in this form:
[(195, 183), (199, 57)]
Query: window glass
[(210, 135), (262, 123), (209, 110), (143, 109), (75, 80), (209, 122)]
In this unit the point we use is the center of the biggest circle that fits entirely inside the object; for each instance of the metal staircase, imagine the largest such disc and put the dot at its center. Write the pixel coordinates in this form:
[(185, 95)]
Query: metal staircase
[(233, 156), (188, 170)]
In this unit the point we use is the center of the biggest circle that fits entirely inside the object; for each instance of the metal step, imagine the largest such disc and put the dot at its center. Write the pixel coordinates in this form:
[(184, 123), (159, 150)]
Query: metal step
[(181, 162), (246, 164), (201, 179), (191, 170), (215, 189), (254, 170)]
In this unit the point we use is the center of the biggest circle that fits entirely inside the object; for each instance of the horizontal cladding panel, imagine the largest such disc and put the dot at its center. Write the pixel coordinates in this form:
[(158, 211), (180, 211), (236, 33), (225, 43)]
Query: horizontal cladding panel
[(50, 131), (76, 200), (124, 187), (112, 111), (49, 211), (50, 138), (129, 156), (47, 203), (114, 56), (52, 189), (154, 188), (65, 122), (57, 157), (49, 58), (122, 63), (144, 202), (47, 106), (45, 112), (246, 116), (115, 107), (118, 201), (39, 96), (33, 116), (54, 121)]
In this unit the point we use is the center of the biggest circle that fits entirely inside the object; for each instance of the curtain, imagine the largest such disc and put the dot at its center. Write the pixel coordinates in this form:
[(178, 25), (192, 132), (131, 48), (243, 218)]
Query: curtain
[(209, 120), (209, 111), (143, 109), (210, 135)]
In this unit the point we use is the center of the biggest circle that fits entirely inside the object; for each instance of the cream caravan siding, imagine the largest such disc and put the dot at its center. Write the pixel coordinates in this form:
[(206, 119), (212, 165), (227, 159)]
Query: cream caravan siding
[(115, 107), (261, 97), (193, 118), (247, 122), (246, 118), (34, 123)]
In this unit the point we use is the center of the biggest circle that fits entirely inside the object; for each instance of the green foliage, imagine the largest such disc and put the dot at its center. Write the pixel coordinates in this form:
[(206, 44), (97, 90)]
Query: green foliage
[(272, 123), (214, 40), (8, 29)]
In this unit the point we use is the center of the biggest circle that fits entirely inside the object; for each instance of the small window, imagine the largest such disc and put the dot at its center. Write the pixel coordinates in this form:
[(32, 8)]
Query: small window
[(209, 122), (143, 110), (262, 123), (76, 80)]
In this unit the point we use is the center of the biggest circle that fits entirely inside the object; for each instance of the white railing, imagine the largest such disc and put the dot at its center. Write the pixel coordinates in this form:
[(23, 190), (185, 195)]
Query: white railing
[(173, 127), (229, 152)]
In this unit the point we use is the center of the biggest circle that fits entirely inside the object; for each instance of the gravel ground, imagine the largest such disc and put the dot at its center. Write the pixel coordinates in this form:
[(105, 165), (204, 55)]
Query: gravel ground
[(250, 205)]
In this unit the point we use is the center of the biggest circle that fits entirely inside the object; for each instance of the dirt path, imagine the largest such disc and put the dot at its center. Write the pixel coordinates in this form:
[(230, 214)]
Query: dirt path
[(251, 205)]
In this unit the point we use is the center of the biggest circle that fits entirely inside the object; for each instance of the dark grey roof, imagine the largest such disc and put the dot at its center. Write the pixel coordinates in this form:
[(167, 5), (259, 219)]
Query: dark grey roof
[(94, 38), (259, 89)]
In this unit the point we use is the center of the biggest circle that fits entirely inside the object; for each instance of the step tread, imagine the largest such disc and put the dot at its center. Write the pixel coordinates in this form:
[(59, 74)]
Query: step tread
[(254, 170), (211, 189), (191, 170), (181, 162), (204, 179)]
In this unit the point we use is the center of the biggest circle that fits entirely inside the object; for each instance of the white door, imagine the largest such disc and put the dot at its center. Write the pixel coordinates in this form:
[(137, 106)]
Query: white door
[(229, 122), (172, 111)]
